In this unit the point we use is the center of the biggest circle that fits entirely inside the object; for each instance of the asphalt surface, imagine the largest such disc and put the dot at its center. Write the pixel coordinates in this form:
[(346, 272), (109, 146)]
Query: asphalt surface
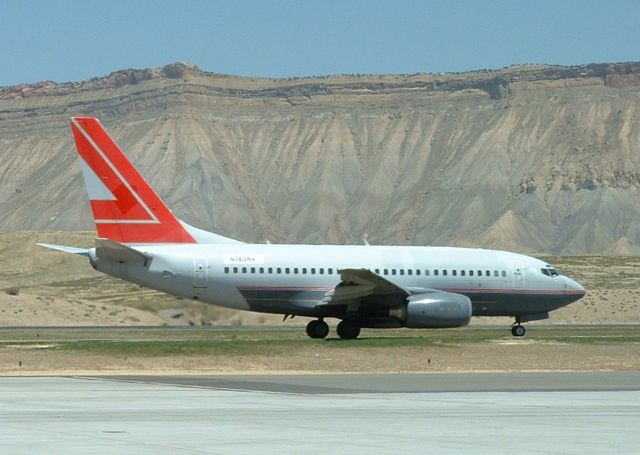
[(404, 383)]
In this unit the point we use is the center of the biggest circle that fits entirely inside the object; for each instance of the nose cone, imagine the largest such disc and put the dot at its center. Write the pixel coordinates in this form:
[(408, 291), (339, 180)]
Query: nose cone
[(573, 288)]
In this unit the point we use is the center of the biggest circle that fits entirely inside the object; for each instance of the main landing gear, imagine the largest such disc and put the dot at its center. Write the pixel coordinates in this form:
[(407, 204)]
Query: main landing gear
[(347, 329), (317, 329)]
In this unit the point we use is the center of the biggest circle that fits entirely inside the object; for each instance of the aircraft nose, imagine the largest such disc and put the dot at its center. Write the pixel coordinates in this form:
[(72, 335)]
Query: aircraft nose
[(573, 287)]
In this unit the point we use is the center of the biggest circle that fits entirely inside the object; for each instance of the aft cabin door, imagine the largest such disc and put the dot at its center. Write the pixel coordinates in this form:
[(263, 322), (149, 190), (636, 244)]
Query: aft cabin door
[(518, 276), (200, 272)]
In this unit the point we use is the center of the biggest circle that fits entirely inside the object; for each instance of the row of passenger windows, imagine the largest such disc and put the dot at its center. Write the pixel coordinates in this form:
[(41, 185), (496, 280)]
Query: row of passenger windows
[(392, 272), (280, 270)]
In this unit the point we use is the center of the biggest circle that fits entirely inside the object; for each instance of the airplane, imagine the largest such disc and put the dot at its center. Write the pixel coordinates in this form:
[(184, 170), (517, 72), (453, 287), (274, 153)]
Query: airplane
[(364, 286)]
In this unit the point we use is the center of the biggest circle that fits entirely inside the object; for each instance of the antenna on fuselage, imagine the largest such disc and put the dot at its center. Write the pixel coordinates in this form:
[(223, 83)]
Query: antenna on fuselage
[(365, 239)]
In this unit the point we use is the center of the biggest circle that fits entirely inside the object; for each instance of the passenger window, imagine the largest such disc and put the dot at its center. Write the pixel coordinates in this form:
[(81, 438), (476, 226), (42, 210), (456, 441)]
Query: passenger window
[(321, 271), (504, 274), (386, 271), (270, 269), (454, 272), (377, 271), (286, 270), (330, 271), (487, 272), (444, 272), (418, 272), (470, 272), (393, 271), (295, 270), (226, 270), (304, 270), (313, 270), (480, 273), (278, 270), (462, 272), (401, 271), (253, 270), (409, 272), (436, 272), (495, 273), (235, 270), (426, 272), (261, 269)]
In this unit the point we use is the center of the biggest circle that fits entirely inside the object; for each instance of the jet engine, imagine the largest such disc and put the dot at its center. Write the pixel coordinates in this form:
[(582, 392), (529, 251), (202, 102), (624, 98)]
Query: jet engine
[(434, 309)]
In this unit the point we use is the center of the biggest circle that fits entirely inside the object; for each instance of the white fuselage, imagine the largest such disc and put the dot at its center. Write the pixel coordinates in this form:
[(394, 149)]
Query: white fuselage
[(293, 279)]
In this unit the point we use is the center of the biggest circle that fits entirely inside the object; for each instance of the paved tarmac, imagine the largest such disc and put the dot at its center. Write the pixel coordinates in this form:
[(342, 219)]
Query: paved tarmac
[(434, 413), (406, 383)]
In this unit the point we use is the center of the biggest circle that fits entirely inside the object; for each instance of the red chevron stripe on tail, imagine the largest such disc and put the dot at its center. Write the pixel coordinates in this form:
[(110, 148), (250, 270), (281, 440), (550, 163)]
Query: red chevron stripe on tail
[(125, 207)]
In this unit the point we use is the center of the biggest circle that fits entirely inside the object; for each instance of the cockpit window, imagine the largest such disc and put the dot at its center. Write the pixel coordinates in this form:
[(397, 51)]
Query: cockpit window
[(549, 271)]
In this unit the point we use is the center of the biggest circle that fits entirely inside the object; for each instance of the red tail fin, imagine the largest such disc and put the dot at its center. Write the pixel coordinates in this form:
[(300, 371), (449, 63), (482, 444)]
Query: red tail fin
[(125, 207)]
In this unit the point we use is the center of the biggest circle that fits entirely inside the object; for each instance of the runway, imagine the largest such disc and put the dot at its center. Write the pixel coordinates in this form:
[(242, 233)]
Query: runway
[(390, 413)]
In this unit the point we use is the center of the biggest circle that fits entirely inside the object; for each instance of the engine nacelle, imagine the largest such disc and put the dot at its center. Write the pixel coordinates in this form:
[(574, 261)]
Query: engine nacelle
[(434, 309)]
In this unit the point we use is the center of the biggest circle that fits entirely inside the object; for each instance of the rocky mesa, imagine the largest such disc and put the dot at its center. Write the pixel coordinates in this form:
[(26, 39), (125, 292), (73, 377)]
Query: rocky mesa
[(531, 158)]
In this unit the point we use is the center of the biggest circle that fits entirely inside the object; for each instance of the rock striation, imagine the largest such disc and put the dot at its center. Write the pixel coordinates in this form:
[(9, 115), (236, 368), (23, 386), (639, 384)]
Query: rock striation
[(532, 158)]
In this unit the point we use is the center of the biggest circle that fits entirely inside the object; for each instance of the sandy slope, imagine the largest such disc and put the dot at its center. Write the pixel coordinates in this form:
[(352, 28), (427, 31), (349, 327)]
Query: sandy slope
[(531, 158), (36, 310)]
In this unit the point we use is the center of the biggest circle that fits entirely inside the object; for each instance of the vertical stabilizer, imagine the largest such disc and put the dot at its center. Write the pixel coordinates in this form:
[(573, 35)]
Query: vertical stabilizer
[(125, 207)]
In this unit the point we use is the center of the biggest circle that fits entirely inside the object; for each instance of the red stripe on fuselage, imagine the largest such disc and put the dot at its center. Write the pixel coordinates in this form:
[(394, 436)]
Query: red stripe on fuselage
[(453, 290)]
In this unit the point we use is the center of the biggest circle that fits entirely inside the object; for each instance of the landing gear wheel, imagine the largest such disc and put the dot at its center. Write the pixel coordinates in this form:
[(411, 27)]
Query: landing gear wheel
[(348, 329), (317, 329), (518, 330)]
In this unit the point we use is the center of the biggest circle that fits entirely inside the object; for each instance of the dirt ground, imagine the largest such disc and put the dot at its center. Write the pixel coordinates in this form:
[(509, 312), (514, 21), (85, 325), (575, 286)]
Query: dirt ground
[(516, 355)]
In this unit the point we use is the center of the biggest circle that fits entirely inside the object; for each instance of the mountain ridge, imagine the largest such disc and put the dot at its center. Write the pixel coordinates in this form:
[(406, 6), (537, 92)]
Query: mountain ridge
[(533, 158)]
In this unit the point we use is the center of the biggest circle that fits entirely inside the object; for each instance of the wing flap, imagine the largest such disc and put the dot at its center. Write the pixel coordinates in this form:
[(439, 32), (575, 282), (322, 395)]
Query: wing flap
[(356, 284)]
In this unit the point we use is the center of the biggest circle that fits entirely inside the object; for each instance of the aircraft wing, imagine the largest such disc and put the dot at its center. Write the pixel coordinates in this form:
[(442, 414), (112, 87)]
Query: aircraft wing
[(356, 284)]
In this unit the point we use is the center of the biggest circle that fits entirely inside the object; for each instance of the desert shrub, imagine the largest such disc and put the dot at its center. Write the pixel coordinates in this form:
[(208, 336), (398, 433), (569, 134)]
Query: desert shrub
[(14, 290)]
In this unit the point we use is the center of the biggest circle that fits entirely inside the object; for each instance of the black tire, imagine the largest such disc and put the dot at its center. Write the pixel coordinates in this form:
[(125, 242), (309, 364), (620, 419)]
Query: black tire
[(518, 330), (348, 329), (317, 329)]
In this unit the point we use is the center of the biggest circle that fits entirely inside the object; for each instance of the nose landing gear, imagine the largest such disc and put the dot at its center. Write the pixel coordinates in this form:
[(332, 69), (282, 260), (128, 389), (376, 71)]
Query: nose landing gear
[(518, 330)]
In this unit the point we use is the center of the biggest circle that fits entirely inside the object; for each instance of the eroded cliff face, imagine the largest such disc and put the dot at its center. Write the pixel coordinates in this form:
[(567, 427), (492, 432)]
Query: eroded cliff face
[(529, 158)]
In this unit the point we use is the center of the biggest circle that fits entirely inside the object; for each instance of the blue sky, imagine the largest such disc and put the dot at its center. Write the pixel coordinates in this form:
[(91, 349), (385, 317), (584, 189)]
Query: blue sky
[(69, 40)]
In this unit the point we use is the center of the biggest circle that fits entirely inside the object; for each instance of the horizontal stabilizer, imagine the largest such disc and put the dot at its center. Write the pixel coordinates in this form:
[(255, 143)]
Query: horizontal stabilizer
[(66, 249), (108, 249)]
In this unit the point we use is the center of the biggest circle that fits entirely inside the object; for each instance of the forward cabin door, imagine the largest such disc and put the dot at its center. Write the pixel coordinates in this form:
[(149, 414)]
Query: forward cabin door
[(200, 272), (518, 276)]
